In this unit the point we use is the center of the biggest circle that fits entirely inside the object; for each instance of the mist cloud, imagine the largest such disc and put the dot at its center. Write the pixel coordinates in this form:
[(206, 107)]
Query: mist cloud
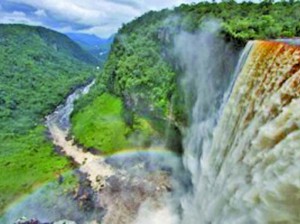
[(148, 214), (207, 62)]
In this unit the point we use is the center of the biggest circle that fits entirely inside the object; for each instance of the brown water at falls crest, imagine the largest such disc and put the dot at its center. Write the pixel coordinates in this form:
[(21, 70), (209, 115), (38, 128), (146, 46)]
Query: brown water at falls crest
[(251, 173)]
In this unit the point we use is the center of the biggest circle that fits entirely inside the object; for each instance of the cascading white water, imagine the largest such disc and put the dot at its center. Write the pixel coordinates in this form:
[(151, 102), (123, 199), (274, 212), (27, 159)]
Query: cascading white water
[(206, 77), (200, 134), (208, 81), (243, 155)]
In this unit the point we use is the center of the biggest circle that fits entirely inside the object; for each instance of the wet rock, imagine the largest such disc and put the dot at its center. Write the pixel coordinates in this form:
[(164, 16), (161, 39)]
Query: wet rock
[(64, 222), (60, 179), (94, 151), (24, 220), (114, 183)]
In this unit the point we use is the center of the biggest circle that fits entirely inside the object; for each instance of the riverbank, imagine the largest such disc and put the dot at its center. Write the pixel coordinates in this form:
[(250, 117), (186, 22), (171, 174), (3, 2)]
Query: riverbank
[(121, 183), (118, 184)]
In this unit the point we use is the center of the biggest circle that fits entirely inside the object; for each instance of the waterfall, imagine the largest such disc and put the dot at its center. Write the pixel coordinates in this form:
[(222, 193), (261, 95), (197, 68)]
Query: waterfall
[(206, 78), (244, 157)]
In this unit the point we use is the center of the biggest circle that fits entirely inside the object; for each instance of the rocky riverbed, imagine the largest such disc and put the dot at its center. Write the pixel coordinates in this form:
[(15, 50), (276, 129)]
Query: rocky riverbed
[(115, 187)]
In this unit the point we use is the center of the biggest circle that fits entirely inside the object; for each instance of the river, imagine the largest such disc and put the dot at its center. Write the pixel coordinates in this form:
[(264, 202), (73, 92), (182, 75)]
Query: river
[(123, 181), (136, 186), (59, 124)]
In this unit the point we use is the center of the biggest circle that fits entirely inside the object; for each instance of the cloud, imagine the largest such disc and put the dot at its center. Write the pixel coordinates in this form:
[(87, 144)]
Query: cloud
[(17, 17), (40, 13), (130, 3), (101, 17)]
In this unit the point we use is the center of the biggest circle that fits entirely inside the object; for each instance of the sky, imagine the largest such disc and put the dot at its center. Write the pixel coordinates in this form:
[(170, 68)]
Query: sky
[(99, 17)]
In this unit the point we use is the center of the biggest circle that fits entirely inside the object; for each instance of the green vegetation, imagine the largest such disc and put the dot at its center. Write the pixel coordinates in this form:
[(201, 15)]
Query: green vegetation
[(101, 125), (49, 197), (138, 85), (36, 74), (104, 127), (142, 69), (38, 68), (244, 21), (26, 161), (142, 64)]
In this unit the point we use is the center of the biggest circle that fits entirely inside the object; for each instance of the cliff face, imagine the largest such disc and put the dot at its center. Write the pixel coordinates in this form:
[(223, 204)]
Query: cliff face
[(143, 70), (252, 171)]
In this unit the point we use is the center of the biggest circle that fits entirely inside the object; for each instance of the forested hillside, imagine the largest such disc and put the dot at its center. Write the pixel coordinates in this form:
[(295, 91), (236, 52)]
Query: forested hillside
[(38, 68), (142, 69)]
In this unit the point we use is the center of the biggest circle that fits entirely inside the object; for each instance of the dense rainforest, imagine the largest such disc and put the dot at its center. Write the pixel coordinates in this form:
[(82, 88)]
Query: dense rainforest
[(143, 72), (38, 68), (137, 100)]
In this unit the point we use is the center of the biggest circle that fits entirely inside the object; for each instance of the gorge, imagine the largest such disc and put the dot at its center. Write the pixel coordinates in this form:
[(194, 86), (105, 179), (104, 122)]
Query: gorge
[(194, 118), (246, 169)]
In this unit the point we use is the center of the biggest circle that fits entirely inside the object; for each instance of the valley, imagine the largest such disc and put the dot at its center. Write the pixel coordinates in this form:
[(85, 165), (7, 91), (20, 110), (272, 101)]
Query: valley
[(187, 115)]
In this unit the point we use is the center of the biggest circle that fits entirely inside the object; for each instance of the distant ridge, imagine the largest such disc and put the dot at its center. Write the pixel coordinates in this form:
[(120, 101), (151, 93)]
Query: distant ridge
[(90, 39), (98, 47), (61, 42)]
